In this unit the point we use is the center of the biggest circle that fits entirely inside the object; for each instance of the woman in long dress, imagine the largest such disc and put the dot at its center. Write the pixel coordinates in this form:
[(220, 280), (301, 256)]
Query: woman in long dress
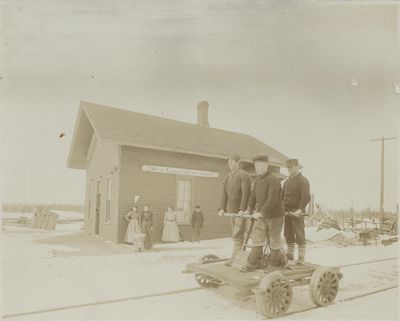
[(133, 224), (147, 226), (171, 231)]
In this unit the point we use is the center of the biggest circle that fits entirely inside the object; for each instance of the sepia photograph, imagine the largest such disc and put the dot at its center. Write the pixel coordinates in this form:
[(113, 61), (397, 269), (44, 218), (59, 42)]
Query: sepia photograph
[(199, 160)]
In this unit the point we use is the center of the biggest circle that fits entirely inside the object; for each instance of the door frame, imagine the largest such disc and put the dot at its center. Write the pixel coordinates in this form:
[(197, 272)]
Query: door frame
[(98, 207)]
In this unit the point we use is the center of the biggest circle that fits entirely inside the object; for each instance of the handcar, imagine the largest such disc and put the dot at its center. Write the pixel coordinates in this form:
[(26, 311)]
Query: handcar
[(271, 287)]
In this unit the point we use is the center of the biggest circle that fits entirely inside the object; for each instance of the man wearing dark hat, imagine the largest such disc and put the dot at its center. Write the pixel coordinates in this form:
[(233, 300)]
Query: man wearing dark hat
[(265, 200), (235, 195), (295, 197), (197, 223)]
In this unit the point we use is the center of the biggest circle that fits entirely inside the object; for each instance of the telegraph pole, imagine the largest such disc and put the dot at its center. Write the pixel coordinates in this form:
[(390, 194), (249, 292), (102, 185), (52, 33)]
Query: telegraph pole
[(381, 202)]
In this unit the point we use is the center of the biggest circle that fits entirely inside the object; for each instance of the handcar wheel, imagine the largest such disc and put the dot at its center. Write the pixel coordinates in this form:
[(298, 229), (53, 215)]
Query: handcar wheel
[(324, 286), (274, 295)]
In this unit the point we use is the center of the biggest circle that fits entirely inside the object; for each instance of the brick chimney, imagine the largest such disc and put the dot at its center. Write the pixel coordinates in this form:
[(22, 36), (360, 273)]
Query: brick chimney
[(202, 113)]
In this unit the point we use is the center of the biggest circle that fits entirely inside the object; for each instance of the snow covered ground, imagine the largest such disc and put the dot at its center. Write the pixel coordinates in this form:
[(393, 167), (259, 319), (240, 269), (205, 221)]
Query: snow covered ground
[(54, 269)]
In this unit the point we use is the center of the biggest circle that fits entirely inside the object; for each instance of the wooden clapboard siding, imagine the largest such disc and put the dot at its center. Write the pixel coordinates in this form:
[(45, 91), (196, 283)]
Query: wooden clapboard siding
[(79, 147), (159, 190), (103, 163)]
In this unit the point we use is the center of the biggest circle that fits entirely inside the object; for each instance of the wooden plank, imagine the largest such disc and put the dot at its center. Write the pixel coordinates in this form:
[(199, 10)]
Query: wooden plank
[(300, 276), (229, 275), (295, 273), (300, 282)]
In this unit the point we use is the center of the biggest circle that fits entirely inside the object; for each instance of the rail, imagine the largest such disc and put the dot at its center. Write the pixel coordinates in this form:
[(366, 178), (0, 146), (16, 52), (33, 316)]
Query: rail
[(148, 296)]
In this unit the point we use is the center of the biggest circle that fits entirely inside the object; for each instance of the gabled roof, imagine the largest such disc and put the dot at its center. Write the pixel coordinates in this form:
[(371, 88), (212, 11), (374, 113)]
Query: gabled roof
[(141, 130)]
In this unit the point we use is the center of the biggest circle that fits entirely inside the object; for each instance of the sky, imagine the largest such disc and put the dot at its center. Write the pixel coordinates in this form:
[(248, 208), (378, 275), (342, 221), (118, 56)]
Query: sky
[(313, 79)]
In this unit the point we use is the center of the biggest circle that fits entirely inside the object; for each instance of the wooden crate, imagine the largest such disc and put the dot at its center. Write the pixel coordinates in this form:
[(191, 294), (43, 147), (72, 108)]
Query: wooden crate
[(44, 218), (51, 221)]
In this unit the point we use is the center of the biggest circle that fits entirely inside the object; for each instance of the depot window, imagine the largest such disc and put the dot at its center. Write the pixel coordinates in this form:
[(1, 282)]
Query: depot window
[(184, 200)]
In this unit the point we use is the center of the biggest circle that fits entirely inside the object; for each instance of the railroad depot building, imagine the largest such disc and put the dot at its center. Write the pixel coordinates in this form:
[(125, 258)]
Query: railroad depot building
[(130, 156)]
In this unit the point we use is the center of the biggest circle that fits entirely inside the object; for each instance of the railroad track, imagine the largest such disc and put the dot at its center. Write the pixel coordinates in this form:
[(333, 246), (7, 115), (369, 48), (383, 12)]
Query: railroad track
[(344, 300), (160, 294), (367, 262)]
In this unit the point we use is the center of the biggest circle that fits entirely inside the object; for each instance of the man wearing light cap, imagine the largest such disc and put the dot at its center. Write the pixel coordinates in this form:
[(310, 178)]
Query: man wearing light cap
[(295, 197), (235, 195), (265, 200)]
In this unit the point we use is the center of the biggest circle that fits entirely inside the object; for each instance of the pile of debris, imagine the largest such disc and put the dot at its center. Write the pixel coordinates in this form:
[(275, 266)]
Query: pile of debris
[(345, 238), (368, 235), (331, 236), (329, 222), (390, 240), (315, 235), (389, 226), (23, 219)]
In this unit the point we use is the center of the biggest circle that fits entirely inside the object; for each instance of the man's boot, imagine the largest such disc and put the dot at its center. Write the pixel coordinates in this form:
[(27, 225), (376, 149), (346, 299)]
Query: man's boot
[(253, 259), (278, 258), (282, 258), (302, 254), (290, 251), (273, 259)]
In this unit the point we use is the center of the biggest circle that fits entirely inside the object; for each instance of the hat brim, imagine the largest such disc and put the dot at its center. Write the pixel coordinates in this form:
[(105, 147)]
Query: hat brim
[(296, 166)]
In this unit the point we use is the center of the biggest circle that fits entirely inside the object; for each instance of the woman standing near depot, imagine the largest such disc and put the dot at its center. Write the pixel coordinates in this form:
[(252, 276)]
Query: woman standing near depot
[(133, 224), (171, 231)]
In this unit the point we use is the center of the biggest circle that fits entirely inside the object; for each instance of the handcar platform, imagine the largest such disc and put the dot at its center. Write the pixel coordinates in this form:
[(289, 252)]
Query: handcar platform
[(272, 285)]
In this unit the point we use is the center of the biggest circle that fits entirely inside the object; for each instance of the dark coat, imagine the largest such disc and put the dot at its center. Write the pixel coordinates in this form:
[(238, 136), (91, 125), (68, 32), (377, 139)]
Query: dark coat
[(236, 189), (146, 223), (197, 219), (146, 218), (265, 196), (295, 193)]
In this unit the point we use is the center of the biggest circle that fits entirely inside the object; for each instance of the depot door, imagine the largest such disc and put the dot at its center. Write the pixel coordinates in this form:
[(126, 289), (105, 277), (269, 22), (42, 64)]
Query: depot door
[(98, 202)]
